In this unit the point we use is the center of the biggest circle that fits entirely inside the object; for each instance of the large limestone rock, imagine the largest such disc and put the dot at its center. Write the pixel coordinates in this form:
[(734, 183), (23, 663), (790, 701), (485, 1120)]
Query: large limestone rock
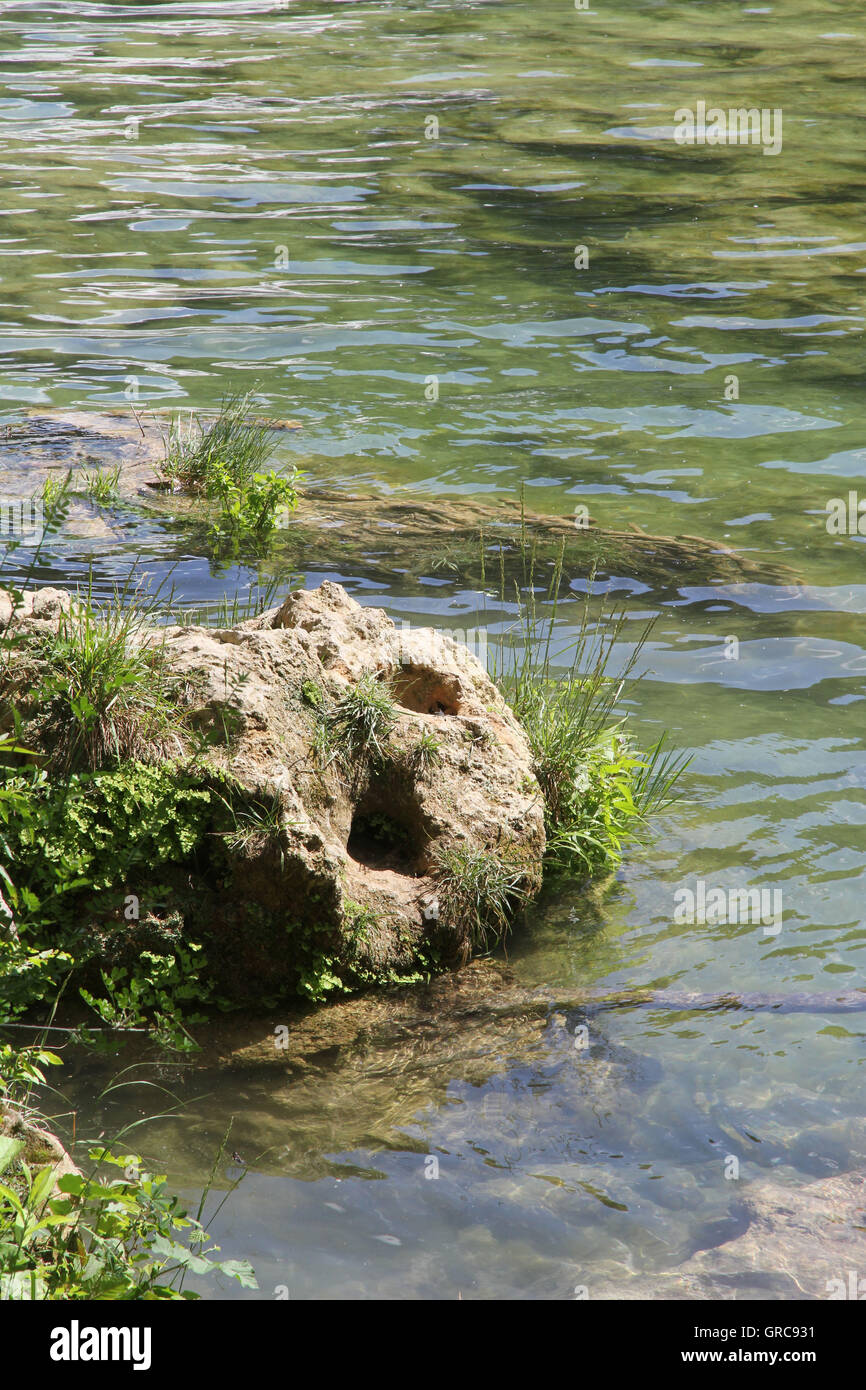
[(345, 869)]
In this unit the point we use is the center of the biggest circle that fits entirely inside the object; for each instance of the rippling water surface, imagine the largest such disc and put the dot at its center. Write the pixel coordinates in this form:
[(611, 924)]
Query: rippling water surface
[(353, 208)]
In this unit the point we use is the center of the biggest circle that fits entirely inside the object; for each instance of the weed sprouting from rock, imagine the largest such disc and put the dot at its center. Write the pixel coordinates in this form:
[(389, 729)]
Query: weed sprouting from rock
[(361, 723), (105, 695), (426, 753), (477, 892)]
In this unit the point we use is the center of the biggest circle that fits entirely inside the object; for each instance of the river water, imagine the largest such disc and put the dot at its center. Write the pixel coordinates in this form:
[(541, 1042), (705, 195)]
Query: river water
[(372, 214)]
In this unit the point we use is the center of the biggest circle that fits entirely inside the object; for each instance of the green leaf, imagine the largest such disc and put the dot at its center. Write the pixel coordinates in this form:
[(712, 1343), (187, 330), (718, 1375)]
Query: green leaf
[(171, 1250), (9, 1151), (11, 1197), (241, 1270), (71, 1183), (42, 1185)]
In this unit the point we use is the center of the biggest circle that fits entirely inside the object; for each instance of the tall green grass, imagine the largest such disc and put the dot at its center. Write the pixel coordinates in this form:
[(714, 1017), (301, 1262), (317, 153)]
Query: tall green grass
[(105, 694), (599, 790), (235, 444)]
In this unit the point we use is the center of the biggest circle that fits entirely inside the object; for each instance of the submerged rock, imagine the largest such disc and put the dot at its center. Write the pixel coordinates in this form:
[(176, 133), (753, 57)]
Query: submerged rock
[(798, 1242), (367, 532)]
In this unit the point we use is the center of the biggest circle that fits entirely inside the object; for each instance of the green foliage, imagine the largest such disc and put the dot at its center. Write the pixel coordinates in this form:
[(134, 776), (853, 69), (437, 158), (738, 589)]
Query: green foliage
[(324, 975), (319, 979), (71, 849), (99, 1237), (100, 829), (157, 991), (106, 697), (252, 511), (30, 975), (53, 490), (385, 833), (312, 694), (94, 1236), (596, 810), (21, 1070), (223, 460), (359, 921), (235, 443)]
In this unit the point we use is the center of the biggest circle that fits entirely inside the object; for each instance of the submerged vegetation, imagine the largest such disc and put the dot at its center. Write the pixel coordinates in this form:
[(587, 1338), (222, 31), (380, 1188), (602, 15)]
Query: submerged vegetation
[(100, 485)]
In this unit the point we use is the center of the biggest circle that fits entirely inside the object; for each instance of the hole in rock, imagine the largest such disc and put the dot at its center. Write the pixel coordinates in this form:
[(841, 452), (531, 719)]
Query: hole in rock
[(426, 692), (379, 841)]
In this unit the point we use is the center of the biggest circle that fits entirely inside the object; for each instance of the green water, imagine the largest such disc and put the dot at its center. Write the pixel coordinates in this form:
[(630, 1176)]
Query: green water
[(160, 165)]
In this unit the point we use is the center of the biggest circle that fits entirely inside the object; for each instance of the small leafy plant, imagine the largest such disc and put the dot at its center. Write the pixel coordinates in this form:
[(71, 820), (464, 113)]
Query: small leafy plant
[(98, 1237), (75, 1236), (224, 460)]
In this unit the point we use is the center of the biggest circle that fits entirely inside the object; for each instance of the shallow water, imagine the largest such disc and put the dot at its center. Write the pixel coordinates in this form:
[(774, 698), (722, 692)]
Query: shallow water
[(160, 165)]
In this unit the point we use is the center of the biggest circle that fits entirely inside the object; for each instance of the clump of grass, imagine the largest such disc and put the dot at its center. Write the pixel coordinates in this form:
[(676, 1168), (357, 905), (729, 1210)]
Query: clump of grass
[(477, 893), (361, 723), (108, 697), (479, 738), (53, 489), (255, 822), (426, 753), (235, 444), (598, 790), (100, 485)]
